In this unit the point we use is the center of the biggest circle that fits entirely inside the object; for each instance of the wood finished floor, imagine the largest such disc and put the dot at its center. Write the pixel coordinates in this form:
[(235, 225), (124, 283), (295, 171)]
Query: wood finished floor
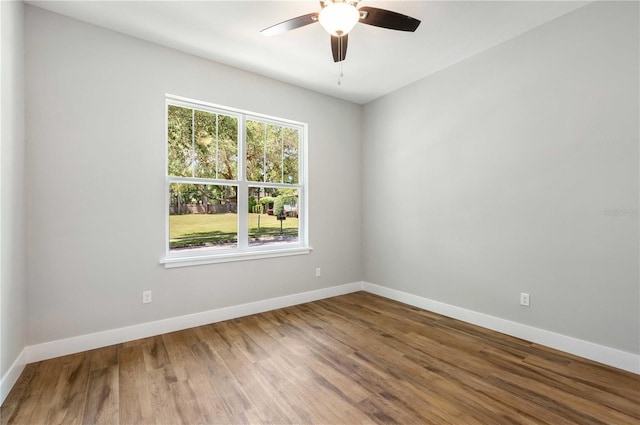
[(356, 358)]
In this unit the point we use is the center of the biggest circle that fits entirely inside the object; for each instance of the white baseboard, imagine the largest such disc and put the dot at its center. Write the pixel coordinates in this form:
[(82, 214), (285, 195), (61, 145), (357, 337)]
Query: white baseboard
[(63, 347), (48, 350), (9, 379), (599, 353)]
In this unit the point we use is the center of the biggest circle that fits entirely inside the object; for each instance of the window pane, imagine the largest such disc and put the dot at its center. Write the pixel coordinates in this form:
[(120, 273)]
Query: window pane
[(273, 148), (205, 144), (216, 146), (179, 141), (227, 148), (255, 150), (202, 217), (291, 141), (273, 216), (272, 153)]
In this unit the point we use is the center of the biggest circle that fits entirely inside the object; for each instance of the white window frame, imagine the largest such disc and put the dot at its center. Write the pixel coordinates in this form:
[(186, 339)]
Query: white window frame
[(243, 251)]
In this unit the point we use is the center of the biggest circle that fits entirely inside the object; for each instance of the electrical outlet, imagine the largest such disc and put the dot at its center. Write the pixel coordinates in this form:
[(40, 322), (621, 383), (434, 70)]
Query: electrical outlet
[(318, 272), (146, 297), (524, 299)]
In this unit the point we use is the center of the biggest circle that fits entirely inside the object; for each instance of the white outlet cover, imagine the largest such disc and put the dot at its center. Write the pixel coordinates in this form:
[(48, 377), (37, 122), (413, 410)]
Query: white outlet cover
[(146, 297)]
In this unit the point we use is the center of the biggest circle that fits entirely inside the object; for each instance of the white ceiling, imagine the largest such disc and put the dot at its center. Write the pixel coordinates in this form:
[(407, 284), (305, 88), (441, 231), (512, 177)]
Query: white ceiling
[(378, 60)]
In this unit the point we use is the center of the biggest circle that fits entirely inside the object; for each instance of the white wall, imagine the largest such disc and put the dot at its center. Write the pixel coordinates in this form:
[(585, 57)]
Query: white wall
[(13, 286), (95, 185), (494, 176)]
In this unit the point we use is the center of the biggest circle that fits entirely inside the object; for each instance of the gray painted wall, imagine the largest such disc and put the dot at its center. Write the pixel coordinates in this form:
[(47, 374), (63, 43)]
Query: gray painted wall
[(95, 140), (13, 288), (517, 171)]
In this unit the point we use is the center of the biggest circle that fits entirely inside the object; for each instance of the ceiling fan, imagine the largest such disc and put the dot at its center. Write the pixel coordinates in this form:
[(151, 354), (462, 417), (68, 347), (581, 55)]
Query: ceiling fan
[(338, 17)]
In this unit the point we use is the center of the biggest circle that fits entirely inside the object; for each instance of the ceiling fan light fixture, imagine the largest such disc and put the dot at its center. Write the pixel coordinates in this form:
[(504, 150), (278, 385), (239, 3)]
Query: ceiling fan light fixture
[(339, 18)]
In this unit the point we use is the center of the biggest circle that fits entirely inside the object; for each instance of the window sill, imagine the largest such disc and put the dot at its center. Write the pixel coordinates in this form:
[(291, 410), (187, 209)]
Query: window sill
[(197, 260)]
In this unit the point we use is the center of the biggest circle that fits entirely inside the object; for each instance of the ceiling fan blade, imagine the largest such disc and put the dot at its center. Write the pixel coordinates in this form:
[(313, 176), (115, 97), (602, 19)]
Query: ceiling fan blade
[(291, 24), (339, 47), (388, 19)]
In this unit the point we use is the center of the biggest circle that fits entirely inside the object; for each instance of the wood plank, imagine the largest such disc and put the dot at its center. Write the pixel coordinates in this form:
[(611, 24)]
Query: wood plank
[(10, 407), (103, 397), (34, 403), (134, 387), (103, 357)]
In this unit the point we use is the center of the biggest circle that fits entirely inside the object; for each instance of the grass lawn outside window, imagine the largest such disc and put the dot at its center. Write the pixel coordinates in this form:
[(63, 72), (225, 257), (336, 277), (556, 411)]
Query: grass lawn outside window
[(192, 230)]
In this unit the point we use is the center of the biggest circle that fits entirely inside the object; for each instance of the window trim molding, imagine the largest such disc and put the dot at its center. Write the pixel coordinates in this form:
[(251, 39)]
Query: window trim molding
[(228, 257), (242, 251)]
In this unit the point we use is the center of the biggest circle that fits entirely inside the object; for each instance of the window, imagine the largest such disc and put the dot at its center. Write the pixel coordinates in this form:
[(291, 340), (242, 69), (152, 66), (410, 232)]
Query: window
[(235, 184)]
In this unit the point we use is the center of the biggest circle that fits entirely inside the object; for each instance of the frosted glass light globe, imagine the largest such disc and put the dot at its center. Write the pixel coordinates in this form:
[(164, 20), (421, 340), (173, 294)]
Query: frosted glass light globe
[(339, 18)]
